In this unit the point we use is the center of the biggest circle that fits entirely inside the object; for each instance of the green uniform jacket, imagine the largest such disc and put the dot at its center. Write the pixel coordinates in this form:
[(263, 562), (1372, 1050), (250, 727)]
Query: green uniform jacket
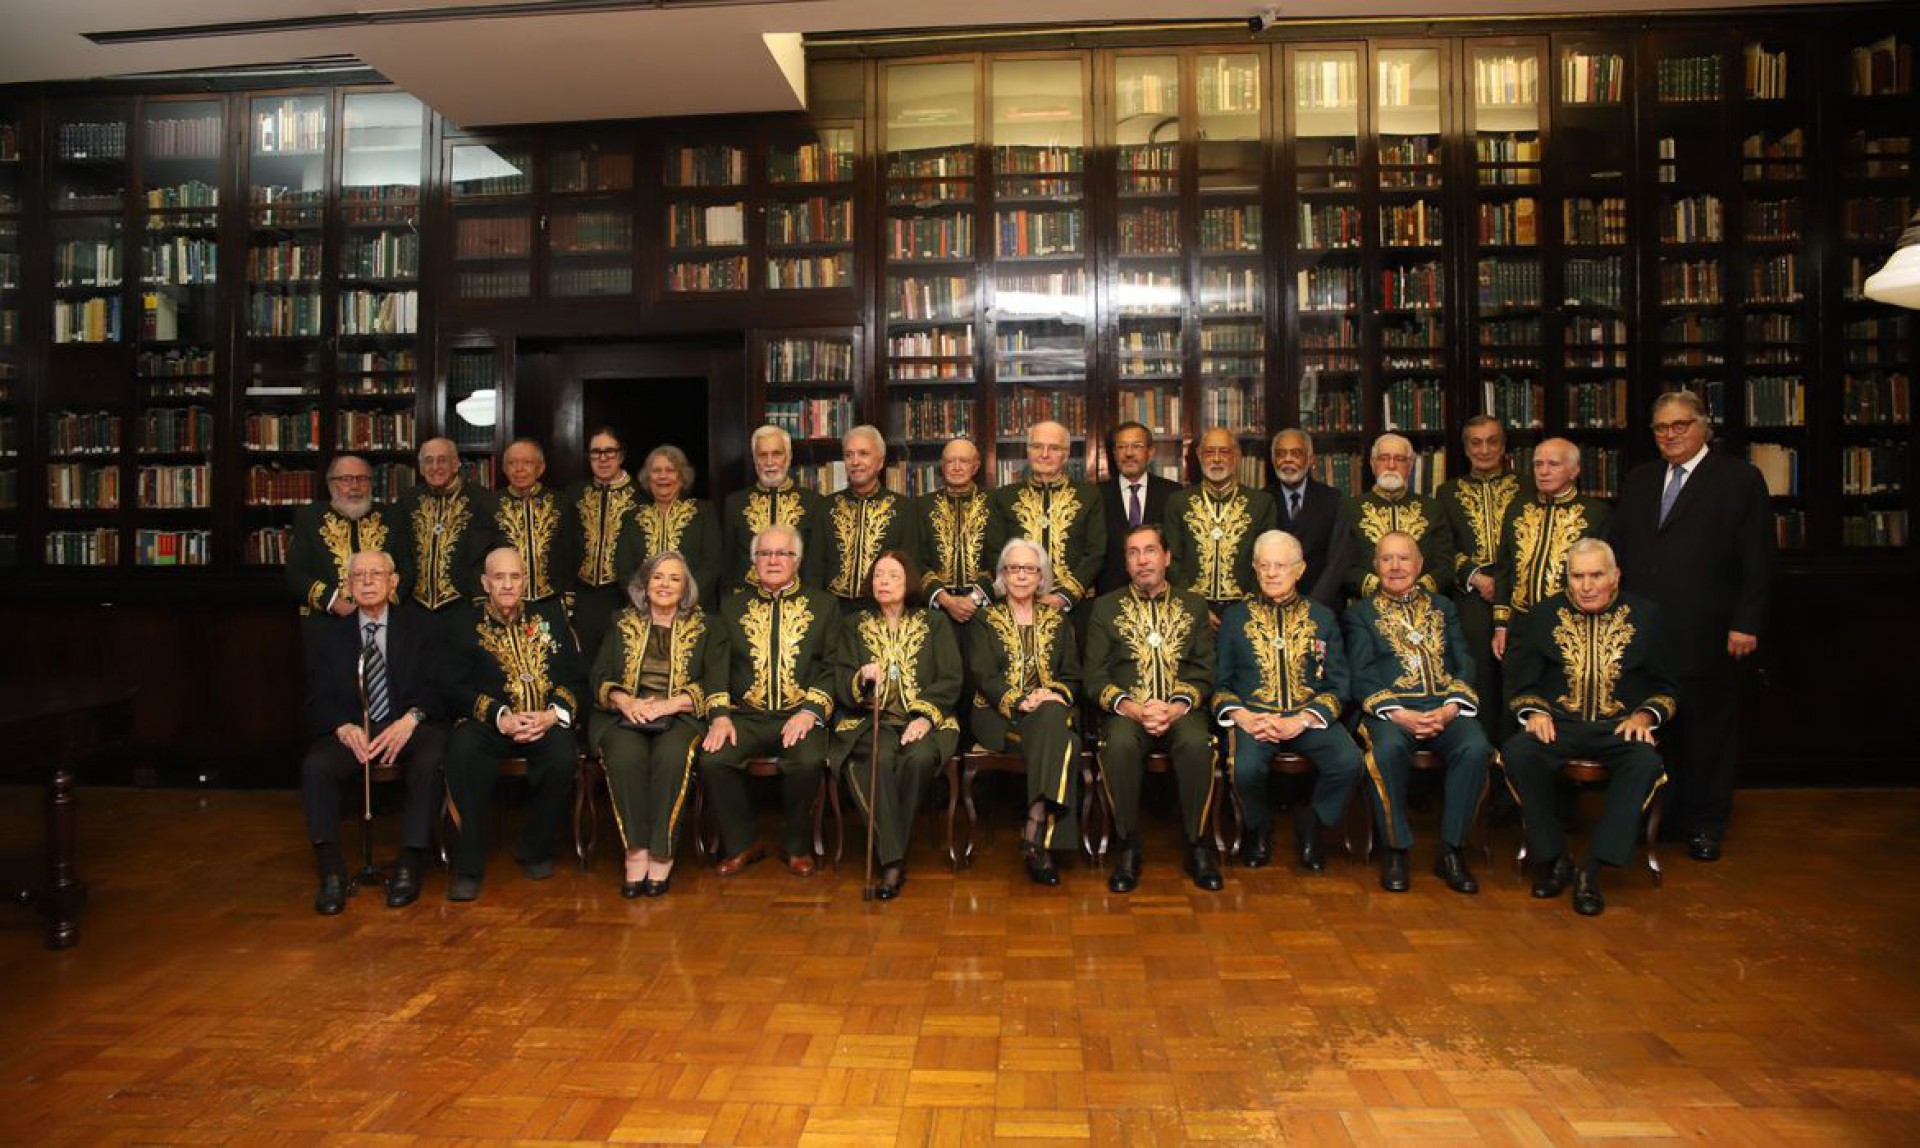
[(322, 543), (1373, 517), (858, 528), (928, 686), (1210, 539), (532, 525), (1064, 518), (1534, 540), (596, 524), (1475, 508), (445, 538), (686, 524), (953, 543), (1005, 662), (696, 664), (1596, 667), (779, 652), (1408, 653), (1283, 658), (495, 667), (1149, 649), (747, 512)]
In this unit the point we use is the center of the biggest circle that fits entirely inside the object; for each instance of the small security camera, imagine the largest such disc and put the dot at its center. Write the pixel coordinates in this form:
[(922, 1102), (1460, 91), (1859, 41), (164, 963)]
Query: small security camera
[(1264, 20)]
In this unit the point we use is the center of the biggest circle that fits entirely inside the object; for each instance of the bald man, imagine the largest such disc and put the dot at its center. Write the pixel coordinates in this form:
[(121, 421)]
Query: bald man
[(1537, 533), (529, 519), (448, 526), (1062, 515)]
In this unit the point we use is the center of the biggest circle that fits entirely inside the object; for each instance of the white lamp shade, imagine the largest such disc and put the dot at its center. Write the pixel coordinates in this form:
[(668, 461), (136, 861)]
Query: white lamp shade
[(481, 408), (1898, 283)]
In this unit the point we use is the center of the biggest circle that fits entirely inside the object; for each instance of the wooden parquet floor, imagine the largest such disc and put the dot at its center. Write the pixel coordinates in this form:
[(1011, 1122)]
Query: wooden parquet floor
[(1769, 999)]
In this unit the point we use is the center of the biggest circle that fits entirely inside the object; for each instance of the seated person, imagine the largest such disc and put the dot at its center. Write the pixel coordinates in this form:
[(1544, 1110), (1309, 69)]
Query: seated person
[(1281, 676), (779, 701), (906, 652), (1586, 678), (1022, 652), (1150, 669), (662, 665), (1410, 669), (371, 699), (515, 677)]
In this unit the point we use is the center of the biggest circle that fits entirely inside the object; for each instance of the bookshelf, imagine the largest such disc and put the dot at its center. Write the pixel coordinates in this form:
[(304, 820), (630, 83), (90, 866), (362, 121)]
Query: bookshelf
[(15, 139), (1413, 305), (809, 206), (929, 297), (1040, 303), (706, 236), (589, 218), (1150, 287), (1230, 258), (490, 194), (809, 385)]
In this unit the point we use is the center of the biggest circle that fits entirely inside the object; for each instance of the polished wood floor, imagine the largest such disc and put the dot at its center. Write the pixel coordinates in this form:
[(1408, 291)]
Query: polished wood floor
[(1773, 998)]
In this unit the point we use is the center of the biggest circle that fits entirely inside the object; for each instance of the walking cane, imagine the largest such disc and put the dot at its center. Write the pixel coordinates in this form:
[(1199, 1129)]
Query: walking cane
[(368, 874), (873, 778)]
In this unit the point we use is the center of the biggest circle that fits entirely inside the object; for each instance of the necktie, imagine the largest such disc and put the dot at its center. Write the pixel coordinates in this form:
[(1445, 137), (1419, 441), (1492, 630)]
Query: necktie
[(1676, 478), (376, 674), (1293, 505), (1133, 504)]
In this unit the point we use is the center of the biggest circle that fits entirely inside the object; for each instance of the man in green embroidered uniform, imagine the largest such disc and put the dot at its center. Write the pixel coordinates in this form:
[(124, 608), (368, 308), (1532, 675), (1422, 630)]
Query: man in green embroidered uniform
[(1048, 507), (1211, 528), (326, 536), (1150, 670), (448, 528), (773, 498), (1393, 504), (1588, 678), (528, 519), (598, 516), (1475, 505), (1537, 533), (864, 519)]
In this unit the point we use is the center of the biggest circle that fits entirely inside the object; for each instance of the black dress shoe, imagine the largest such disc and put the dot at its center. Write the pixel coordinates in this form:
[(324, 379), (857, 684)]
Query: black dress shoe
[(537, 870), (1126, 868), (463, 888), (1451, 867), (403, 888), (1703, 847), (1200, 866), (891, 878), (332, 897), (633, 890), (1040, 869), (656, 887), (1587, 900), (1550, 881), (1394, 877), (1306, 834), (1257, 850)]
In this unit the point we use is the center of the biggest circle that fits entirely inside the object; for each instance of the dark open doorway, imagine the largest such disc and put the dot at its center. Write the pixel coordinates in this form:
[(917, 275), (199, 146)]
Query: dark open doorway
[(650, 412)]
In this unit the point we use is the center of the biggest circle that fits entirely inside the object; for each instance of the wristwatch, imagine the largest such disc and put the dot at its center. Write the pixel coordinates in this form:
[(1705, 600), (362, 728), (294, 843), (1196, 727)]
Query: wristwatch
[(418, 715)]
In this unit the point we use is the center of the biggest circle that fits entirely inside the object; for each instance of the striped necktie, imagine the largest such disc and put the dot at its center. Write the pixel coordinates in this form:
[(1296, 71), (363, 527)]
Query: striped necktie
[(376, 674), (1676, 478)]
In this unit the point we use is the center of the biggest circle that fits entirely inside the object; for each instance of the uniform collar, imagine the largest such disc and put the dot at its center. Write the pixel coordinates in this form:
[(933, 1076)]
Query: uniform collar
[(533, 492), (625, 479), (1568, 495), (787, 591), (786, 484)]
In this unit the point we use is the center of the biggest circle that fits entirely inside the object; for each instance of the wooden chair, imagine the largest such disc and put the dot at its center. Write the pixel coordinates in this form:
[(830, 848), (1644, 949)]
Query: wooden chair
[(1157, 764), (1288, 764), (707, 844), (588, 774), (1426, 761), (964, 768), (1585, 775)]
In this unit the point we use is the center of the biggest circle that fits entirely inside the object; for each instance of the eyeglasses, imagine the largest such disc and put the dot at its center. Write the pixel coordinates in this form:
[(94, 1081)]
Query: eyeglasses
[(603, 451), (776, 554), (1397, 458), (1020, 568), (349, 479), (1677, 426)]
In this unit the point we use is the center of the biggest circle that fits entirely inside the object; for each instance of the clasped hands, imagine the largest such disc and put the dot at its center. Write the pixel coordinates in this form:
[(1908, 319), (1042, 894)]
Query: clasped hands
[(383, 749), (526, 727), (1271, 728), (1154, 715), (1421, 725)]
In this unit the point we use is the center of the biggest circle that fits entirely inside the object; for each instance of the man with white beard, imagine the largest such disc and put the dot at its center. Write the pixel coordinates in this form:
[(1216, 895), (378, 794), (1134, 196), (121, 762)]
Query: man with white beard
[(326, 536), (1392, 505)]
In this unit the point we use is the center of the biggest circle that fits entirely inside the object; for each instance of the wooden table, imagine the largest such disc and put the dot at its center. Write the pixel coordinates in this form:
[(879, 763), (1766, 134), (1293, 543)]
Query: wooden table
[(46, 729)]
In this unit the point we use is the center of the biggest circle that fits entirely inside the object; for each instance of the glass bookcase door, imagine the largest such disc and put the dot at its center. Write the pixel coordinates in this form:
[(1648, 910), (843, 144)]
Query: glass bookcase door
[(808, 383), (810, 207), (1040, 303), (477, 401), (1506, 353), (590, 219), (1151, 246), (1409, 126), (706, 239), (491, 189), (92, 174), (1230, 255), (13, 181), (929, 290), (182, 153), (376, 366), (1324, 260)]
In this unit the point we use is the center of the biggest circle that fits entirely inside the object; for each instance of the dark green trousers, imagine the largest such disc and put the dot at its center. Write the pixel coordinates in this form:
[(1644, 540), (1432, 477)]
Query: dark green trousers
[(902, 779), (1123, 766), (1389, 760), (1336, 765), (1533, 772), (1476, 626), (650, 774), (1045, 738), (474, 754), (725, 775)]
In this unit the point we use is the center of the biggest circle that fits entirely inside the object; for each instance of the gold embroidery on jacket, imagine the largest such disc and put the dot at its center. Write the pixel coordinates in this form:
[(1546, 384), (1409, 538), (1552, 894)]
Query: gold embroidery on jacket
[(521, 649), (682, 637), (1155, 633), (1283, 638), (1046, 516), (337, 535), (776, 685), (438, 521), (1485, 504), (601, 510), (1378, 519), (1417, 635), (896, 646), (1592, 647), (959, 529), (1216, 526), (529, 524), (662, 527), (1542, 535), (859, 526)]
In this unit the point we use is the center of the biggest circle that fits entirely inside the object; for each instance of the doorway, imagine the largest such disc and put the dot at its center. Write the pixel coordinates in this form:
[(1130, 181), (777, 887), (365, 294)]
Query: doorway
[(650, 412)]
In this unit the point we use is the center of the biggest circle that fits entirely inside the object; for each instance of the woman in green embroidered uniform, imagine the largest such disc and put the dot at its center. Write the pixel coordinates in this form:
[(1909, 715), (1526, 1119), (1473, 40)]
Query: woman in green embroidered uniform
[(662, 666), (1023, 656), (672, 519), (908, 653)]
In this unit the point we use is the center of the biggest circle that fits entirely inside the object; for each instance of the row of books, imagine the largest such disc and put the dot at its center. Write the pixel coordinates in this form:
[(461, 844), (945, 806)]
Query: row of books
[(914, 479), (364, 312), (267, 546), (1597, 405), (930, 237), (172, 547), (1508, 223), (1414, 404), (816, 220), (1230, 228), (1776, 401), (168, 430), (952, 343), (1763, 73), (87, 263), (1876, 399), (269, 432), (1515, 402), (1149, 230), (821, 162), (492, 284), (1416, 224), (1875, 218), (728, 274), (1882, 68), (1594, 222), (579, 282), (712, 225), (373, 430), (1231, 291), (1419, 287), (1690, 282), (99, 547), (1594, 282), (272, 486), (292, 128), (1023, 233), (492, 237), (930, 163), (283, 316), (82, 486), (812, 418), (924, 298), (96, 432), (1329, 226), (1772, 220), (810, 272), (590, 170), (1506, 283), (1692, 219), (180, 261), (1592, 78), (390, 254), (196, 138), (1687, 79), (184, 487), (1157, 409), (710, 165), (287, 261), (1509, 332), (90, 140), (1027, 159), (932, 418), (193, 193), (1875, 528), (1506, 81), (1507, 148), (1874, 468)]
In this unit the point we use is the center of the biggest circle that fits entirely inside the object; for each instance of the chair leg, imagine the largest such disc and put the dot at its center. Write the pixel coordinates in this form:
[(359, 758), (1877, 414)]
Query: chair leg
[(967, 777), (1654, 812), (953, 800), (586, 810)]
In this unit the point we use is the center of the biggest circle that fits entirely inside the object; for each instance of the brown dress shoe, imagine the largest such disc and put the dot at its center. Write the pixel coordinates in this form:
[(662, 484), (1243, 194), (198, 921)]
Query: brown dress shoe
[(741, 860), (800, 866)]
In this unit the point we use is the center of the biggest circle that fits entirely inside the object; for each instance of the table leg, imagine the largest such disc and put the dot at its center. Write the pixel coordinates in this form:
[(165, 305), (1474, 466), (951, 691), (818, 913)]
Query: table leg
[(65, 892)]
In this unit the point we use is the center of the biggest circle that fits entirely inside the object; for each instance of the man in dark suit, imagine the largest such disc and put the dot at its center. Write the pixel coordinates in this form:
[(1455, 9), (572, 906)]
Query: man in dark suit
[(1314, 513), (371, 698), (1694, 533), (1134, 496)]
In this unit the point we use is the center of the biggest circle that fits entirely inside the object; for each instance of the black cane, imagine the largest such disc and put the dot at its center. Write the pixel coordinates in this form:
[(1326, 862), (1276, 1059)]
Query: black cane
[(368, 874), (873, 784)]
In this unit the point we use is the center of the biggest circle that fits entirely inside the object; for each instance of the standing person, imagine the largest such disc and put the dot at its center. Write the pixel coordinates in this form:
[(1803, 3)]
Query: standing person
[(447, 527), (1134, 496), (1392, 505), (779, 638), (863, 519), (326, 536), (599, 516), (515, 675), (1150, 670), (906, 653), (1314, 514), (1536, 534), (528, 519), (1211, 528), (663, 665), (773, 497), (952, 531), (1023, 650), (371, 698), (1061, 515), (1694, 533), (1589, 679), (1475, 505), (668, 517)]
